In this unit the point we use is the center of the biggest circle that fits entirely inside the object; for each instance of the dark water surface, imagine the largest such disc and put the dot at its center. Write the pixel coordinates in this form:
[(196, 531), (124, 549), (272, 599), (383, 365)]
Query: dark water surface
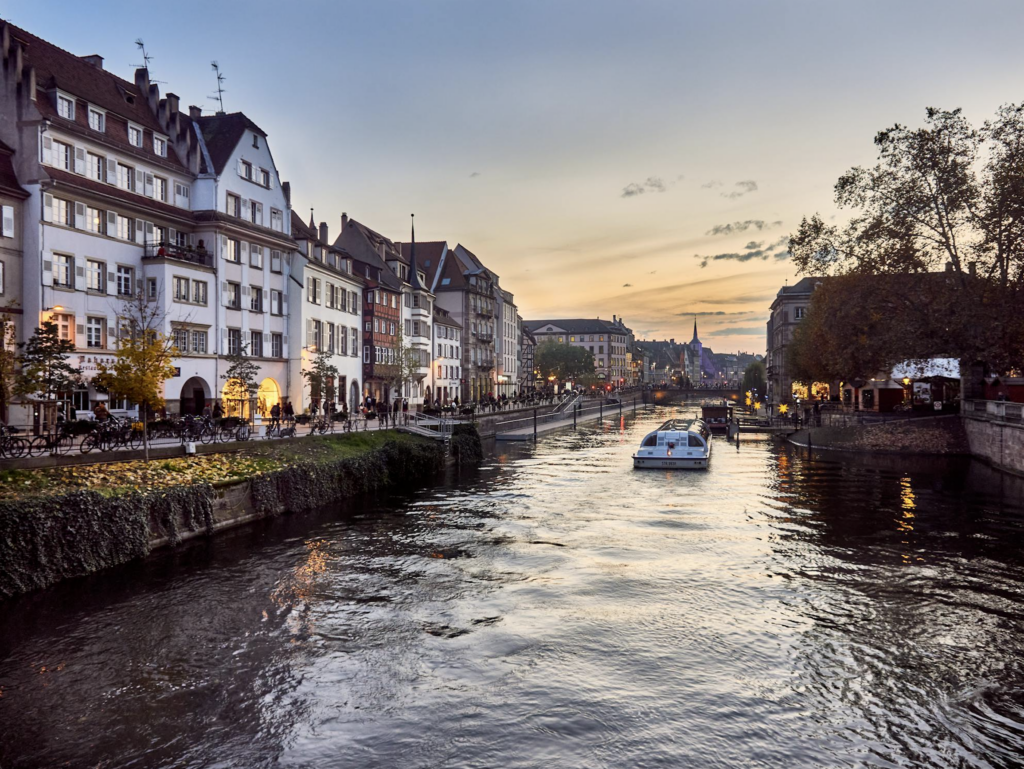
[(556, 609)]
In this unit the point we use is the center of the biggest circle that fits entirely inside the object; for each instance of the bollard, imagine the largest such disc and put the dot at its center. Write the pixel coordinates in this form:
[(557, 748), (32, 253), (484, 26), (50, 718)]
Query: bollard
[(535, 424), (574, 416)]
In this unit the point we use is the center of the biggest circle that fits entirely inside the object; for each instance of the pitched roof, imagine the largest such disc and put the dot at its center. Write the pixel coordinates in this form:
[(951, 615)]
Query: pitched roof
[(444, 318), (222, 132), (9, 184), (57, 68), (134, 200), (301, 230), (428, 254), (576, 326), (353, 240)]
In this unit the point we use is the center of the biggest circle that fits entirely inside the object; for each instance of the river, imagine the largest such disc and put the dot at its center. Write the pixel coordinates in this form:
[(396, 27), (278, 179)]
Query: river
[(556, 608)]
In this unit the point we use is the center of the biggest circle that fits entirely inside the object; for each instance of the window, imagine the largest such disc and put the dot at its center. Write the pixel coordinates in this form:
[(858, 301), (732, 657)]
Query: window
[(63, 156), (265, 178), (277, 345), (366, 354), (376, 325), (255, 299), (275, 261), (256, 344), (801, 313), (63, 270), (199, 291), (329, 297), (181, 194), (160, 146), (94, 220), (276, 220), (159, 234), (95, 275), (276, 304), (97, 166), (256, 256), (234, 341), (355, 341), (317, 334), (234, 205), (94, 331), (234, 293), (134, 135), (256, 213), (160, 188), (151, 288), (233, 251), (125, 228), (125, 280), (182, 288), (330, 337), (181, 339), (65, 327), (97, 120), (199, 342), (247, 170), (255, 141), (313, 290), (126, 177), (342, 341), (65, 107)]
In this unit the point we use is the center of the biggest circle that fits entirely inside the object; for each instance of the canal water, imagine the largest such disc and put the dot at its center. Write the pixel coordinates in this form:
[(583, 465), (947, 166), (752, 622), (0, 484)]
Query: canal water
[(556, 609)]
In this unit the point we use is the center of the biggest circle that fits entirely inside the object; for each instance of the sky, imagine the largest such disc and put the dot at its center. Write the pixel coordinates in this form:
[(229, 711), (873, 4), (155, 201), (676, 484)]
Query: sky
[(643, 159)]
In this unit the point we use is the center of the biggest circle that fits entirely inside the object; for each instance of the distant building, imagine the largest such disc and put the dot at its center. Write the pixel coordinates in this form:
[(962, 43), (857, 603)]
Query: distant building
[(527, 366), (787, 311), (608, 341), (447, 363)]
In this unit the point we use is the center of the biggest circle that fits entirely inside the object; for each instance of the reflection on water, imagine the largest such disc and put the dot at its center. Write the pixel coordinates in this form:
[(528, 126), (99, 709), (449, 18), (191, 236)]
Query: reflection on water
[(557, 609)]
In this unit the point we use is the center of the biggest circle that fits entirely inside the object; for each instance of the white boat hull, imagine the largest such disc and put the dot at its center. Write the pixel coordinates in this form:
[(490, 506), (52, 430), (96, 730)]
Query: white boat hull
[(670, 463)]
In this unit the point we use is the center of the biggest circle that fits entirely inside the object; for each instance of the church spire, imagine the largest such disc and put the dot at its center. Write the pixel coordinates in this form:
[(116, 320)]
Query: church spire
[(312, 222), (695, 339)]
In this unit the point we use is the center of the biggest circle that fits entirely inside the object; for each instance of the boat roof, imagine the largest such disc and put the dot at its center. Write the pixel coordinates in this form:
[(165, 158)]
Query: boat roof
[(681, 426)]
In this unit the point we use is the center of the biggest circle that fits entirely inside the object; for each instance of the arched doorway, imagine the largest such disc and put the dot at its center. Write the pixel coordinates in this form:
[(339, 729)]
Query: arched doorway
[(268, 396), (194, 395)]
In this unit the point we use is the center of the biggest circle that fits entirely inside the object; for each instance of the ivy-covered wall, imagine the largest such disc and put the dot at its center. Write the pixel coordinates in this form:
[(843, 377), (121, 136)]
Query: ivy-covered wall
[(46, 539)]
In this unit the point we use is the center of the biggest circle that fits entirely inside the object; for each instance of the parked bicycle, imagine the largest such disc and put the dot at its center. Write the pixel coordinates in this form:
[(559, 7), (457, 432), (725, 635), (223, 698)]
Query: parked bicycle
[(11, 445)]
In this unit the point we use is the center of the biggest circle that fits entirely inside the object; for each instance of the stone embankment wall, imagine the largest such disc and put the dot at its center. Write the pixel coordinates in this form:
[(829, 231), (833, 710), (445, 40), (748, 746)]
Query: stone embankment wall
[(936, 435), (49, 538), (999, 443)]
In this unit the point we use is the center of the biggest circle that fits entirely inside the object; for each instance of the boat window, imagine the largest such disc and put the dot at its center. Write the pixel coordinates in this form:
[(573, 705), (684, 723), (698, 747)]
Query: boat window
[(696, 442), (651, 440)]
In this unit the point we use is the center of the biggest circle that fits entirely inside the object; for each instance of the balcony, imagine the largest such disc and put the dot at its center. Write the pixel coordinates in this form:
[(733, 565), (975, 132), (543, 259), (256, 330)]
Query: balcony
[(485, 312), (487, 337), (485, 365), (165, 250)]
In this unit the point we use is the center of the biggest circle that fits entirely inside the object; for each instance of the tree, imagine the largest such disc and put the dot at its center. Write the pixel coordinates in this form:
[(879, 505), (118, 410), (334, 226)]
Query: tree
[(754, 378), (144, 359), (320, 373), (562, 361), (946, 200), (241, 379), (8, 362), (45, 372), (406, 366)]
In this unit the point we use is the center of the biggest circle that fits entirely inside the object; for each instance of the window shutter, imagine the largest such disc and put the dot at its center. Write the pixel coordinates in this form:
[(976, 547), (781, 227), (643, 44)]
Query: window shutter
[(80, 329), (79, 160), (266, 342), (47, 151), (224, 341), (224, 293), (111, 283), (111, 223), (148, 185), (284, 304), (47, 272), (264, 298), (149, 232), (241, 171), (140, 231), (318, 287), (8, 215), (80, 215), (309, 332), (245, 208), (47, 207), (172, 235), (80, 278), (245, 291), (111, 170), (244, 252), (224, 245)]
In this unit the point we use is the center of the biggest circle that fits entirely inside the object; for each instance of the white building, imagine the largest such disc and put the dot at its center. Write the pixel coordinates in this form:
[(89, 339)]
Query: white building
[(446, 367), (108, 166), (507, 344), (326, 313), (243, 219)]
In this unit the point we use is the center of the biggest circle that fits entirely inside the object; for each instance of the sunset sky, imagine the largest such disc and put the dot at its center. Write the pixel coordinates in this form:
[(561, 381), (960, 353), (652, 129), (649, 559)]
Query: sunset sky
[(643, 159)]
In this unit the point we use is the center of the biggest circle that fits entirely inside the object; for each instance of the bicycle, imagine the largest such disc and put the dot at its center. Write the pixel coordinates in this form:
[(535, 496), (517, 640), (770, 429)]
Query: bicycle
[(11, 446), (278, 430)]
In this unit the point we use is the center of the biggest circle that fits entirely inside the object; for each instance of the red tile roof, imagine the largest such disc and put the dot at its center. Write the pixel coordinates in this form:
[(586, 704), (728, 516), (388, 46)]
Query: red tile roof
[(222, 134), (66, 179)]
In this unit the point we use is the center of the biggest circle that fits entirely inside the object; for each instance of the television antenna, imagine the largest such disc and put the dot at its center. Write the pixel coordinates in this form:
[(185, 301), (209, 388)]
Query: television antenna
[(146, 59), (220, 86)]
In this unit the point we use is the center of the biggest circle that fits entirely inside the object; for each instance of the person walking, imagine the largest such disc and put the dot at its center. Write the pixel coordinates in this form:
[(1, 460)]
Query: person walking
[(405, 411), (275, 416), (394, 412), (288, 412), (101, 412), (218, 412)]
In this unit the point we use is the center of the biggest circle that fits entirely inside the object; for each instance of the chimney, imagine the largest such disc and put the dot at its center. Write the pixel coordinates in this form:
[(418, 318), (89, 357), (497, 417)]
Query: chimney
[(173, 103), (194, 112), (286, 188), (95, 59), (344, 220), (323, 232), (671, 341), (383, 253), (142, 80)]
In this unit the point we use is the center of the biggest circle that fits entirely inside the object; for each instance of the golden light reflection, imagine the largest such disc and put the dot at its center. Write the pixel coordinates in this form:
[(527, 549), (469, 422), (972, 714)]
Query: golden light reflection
[(908, 503)]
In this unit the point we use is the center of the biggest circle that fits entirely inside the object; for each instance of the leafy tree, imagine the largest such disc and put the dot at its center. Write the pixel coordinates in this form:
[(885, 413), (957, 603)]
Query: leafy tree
[(320, 372), (562, 361), (241, 383), (45, 371), (754, 378), (144, 359), (8, 362), (407, 365), (945, 199)]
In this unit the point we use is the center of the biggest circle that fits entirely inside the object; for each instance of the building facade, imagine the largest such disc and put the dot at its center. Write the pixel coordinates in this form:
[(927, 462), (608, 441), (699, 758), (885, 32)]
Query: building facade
[(787, 311), (447, 364), (608, 341)]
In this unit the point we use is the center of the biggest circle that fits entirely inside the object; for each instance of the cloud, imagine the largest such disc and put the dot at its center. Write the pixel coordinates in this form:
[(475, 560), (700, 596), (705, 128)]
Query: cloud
[(627, 285), (743, 331), (652, 184), (729, 229), (474, 174), (711, 313), (744, 188), (764, 254), (710, 185), (753, 245)]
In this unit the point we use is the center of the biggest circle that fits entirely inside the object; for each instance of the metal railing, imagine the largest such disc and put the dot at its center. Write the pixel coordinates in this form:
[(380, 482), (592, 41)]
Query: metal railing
[(583, 410), (997, 411), (166, 250)]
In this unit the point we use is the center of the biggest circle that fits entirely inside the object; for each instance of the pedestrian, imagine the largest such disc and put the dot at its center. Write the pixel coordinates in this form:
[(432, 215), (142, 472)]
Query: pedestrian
[(382, 417), (218, 412), (101, 412), (405, 410), (394, 411), (275, 416), (207, 411)]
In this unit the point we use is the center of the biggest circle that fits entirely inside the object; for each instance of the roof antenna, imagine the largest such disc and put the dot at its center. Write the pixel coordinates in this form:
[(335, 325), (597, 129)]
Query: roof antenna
[(146, 59), (220, 89)]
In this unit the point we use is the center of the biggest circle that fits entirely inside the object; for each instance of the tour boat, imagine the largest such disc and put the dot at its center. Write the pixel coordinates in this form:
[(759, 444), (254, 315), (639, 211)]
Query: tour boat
[(683, 444), (716, 415)]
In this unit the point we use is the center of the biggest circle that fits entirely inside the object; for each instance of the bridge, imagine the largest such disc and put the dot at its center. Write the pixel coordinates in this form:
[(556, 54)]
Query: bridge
[(670, 397)]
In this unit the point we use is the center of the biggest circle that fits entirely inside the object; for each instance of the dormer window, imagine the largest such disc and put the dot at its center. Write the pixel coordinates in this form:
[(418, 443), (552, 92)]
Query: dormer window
[(255, 141), (134, 135), (247, 170), (265, 178), (65, 107), (97, 120), (160, 146)]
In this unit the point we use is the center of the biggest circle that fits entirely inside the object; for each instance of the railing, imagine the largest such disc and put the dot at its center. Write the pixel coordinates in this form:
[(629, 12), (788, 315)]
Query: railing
[(485, 365), (435, 427), (586, 410), (484, 336), (998, 411), (165, 250)]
